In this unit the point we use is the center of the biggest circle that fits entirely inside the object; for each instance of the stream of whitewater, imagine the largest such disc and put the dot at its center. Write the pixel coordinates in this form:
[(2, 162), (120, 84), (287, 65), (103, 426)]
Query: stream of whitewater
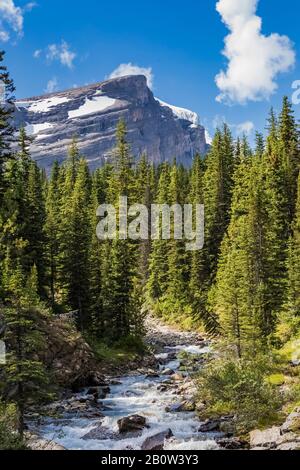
[(135, 395)]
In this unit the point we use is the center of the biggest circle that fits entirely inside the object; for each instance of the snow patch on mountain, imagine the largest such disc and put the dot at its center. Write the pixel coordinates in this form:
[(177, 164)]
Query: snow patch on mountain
[(33, 129), (95, 105), (42, 106), (182, 113)]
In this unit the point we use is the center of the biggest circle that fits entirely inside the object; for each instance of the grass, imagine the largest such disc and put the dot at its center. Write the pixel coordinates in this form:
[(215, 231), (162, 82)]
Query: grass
[(126, 350), (276, 379)]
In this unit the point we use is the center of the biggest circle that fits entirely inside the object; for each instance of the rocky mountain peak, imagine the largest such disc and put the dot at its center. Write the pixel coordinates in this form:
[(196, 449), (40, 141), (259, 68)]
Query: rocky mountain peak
[(91, 113)]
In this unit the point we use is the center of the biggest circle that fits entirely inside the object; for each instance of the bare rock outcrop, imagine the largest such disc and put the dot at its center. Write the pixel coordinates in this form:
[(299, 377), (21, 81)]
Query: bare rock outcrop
[(92, 113)]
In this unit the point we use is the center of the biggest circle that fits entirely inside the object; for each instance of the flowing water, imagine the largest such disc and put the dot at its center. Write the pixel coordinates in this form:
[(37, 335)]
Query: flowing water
[(135, 395)]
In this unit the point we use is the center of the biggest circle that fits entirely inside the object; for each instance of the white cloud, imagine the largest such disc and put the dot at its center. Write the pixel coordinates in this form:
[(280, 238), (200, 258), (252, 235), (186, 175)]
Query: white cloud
[(4, 36), (52, 85), (30, 6), (244, 128), (131, 69), (37, 53), (208, 137), (62, 53), (255, 60), (12, 18)]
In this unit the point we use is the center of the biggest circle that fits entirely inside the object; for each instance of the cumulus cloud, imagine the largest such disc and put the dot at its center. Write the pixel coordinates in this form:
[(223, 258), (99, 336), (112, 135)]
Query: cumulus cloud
[(254, 60), (12, 18), (62, 53), (244, 128), (57, 52), (208, 137), (37, 54), (30, 6), (131, 69), (52, 85)]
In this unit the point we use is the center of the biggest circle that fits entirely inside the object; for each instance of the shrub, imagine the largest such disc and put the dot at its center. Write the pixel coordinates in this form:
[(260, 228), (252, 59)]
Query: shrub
[(240, 388), (9, 439)]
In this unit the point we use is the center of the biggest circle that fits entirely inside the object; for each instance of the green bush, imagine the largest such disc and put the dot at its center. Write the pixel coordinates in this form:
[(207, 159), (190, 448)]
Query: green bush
[(9, 439), (240, 388)]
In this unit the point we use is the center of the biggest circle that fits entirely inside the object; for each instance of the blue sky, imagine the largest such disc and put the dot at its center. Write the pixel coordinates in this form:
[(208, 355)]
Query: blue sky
[(77, 42)]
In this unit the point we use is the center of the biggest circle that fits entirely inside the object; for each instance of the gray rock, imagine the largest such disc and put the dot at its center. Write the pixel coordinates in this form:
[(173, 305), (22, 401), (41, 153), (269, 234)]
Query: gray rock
[(232, 444), (35, 442), (132, 423), (157, 442), (168, 372), (267, 438), (100, 433), (183, 407), (292, 423), (153, 127), (212, 425)]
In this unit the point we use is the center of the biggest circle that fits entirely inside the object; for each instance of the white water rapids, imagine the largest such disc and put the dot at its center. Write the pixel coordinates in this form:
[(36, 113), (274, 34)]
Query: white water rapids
[(136, 395)]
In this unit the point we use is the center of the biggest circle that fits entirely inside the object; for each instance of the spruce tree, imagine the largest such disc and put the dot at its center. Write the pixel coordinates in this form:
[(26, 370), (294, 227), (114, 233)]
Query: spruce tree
[(6, 127), (23, 372), (293, 290), (76, 249), (53, 230)]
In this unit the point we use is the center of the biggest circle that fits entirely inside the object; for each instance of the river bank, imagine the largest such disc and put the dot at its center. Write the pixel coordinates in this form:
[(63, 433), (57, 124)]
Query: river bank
[(160, 399)]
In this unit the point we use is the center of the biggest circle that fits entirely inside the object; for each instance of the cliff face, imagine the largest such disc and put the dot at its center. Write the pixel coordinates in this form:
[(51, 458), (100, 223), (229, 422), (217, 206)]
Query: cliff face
[(92, 113)]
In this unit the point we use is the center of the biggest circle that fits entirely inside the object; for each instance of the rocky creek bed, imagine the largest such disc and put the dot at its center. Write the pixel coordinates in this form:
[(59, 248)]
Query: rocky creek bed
[(151, 409)]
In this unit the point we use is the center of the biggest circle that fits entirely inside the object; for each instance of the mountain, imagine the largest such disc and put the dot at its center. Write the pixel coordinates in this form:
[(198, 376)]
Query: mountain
[(91, 114)]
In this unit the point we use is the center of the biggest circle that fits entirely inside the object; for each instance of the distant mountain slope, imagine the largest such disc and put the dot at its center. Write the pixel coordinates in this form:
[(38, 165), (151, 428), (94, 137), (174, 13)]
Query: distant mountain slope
[(91, 114)]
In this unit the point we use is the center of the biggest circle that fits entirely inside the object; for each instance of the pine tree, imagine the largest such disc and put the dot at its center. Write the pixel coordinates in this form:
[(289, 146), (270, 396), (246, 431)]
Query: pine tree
[(238, 296), (96, 259), (290, 153), (177, 255), (53, 230), (24, 374), (293, 291), (77, 234), (6, 127), (119, 276), (158, 277), (277, 229)]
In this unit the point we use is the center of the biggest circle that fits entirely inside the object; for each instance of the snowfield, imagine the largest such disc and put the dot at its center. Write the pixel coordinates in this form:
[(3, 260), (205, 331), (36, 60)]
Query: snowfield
[(182, 113), (95, 105), (42, 106), (33, 129)]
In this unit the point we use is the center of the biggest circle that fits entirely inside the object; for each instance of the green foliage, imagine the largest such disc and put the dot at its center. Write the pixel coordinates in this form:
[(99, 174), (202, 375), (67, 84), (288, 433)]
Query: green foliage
[(9, 439), (240, 388), (119, 353)]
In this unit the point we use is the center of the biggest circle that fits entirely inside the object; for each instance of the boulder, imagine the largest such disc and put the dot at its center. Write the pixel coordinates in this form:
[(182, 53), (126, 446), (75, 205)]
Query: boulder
[(167, 372), (177, 377), (292, 422), (35, 442), (95, 379), (152, 375), (115, 382), (103, 392), (267, 438), (100, 433), (227, 427), (210, 425), (157, 441), (233, 444), (183, 407), (132, 423)]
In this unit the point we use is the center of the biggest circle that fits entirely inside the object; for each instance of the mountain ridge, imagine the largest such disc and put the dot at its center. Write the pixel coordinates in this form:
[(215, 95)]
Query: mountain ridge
[(91, 113)]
